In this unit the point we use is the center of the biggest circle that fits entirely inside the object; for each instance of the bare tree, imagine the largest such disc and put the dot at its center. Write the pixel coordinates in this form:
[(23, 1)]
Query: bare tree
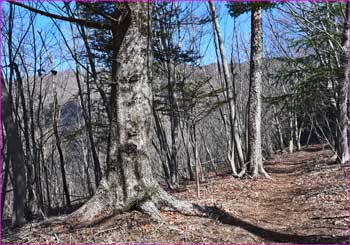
[(128, 182), (16, 157), (235, 142), (342, 89), (254, 102)]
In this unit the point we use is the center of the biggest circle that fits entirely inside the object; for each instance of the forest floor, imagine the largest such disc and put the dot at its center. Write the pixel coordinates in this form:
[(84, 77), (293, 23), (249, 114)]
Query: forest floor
[(305, 202)]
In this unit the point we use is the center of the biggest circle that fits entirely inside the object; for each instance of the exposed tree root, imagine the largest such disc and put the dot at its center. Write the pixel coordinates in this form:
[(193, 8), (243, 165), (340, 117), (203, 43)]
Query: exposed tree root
[(241, 174), (104, 204), (161, 199), (178, 205), (99, 207), (259, 171), (149, 208)]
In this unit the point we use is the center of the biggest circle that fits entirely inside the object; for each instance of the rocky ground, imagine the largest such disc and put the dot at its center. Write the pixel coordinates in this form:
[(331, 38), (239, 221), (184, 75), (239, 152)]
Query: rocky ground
[(304, 202)]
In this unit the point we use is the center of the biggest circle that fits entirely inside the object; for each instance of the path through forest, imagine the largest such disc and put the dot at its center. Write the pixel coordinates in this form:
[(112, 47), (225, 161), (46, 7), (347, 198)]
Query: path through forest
[(305, 202)]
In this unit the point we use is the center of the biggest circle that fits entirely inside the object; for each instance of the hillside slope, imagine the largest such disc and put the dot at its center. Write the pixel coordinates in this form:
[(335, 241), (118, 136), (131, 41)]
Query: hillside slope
[(305, 202)]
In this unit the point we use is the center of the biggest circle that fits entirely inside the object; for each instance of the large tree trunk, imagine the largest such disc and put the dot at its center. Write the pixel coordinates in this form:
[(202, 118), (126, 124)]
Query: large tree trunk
[(16, 157), (254, 117), (129, 183), (342, 119)]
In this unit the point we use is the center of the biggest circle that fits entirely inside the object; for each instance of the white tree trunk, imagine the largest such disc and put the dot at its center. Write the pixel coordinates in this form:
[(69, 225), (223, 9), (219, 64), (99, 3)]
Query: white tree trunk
[(254, 116), (235, 141)]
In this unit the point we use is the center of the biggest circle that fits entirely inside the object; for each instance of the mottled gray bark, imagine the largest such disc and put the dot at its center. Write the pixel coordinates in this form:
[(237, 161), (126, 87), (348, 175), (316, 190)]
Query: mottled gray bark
[(16, 157), (254, 102), (342, 89), (129, 182)]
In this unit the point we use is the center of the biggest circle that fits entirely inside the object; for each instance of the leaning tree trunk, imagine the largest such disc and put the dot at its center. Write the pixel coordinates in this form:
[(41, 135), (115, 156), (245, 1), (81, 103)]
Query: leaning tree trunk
[(254, 117), (16, 157), (342, 119), (235, 141), (128, 183)]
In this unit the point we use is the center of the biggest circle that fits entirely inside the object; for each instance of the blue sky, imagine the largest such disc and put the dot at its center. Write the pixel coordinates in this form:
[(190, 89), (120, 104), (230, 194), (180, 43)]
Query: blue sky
[(226, 22)]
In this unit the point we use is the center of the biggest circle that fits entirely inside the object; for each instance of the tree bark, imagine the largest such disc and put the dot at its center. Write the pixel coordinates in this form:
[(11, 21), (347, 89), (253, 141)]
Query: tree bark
[(129, 183), (16, 157), (278, 128), (291, 133), (58, 142), (235, 141), (342, 118), (30, 206), (187, 144), (5, 178), (297, 132), (254, 115)]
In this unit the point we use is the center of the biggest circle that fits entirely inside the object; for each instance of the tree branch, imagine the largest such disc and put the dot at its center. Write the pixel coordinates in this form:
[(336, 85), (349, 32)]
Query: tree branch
[(65, 18)]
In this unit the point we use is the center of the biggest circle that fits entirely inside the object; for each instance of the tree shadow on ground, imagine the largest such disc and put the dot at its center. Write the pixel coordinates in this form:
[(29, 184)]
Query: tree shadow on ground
[(315, 148), (292, 170), (272, 236)]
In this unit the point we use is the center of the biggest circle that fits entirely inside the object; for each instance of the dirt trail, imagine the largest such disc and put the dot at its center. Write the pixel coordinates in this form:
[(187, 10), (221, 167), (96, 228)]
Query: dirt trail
[(305, 202)]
